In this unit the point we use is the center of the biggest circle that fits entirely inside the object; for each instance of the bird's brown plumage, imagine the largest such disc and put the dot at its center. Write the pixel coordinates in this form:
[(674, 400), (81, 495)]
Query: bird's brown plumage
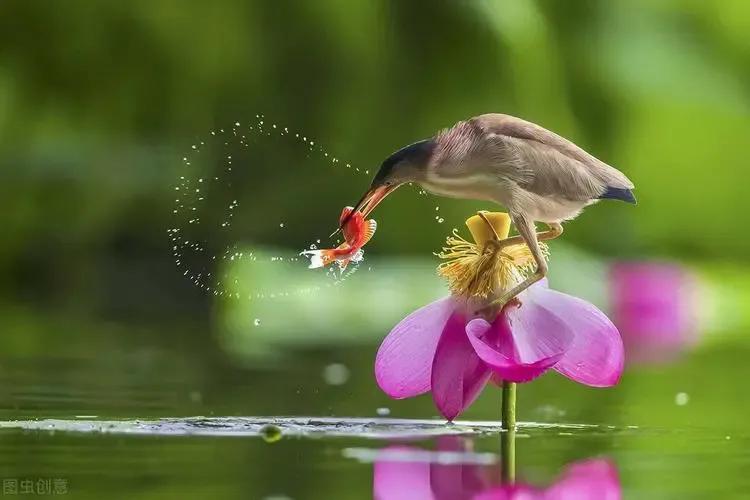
[(528, 161), (536, 174)]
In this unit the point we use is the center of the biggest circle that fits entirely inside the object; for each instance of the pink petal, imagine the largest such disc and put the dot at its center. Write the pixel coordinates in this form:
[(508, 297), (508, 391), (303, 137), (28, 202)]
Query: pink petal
[(458, 375), (536, 330), (496, 379), (401, 480), (404, 361), (511, 492), (524, 341), (590, 480), (496, 346), (595, 356), (456, 481)]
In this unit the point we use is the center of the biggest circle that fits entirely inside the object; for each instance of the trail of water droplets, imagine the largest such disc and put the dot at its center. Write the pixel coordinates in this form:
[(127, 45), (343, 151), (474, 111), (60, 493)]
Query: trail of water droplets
[(192, 193)]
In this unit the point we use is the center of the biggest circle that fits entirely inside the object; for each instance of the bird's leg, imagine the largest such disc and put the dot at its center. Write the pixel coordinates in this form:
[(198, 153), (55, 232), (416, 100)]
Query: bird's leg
[(528, 235), (554, 230)]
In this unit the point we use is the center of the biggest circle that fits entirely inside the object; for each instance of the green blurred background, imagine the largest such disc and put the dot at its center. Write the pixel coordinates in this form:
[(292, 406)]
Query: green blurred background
[(100, 102)]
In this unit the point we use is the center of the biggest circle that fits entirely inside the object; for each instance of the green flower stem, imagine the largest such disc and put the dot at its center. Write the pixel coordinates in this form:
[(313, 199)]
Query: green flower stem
[(508, 436)]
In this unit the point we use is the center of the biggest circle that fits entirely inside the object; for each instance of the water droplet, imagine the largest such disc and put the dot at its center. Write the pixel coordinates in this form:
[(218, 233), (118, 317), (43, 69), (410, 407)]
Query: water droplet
[(383, 411), (271, 433), (281, 224), (194, 146), (336, 374), (236, 124), (196, 397), (256, 322), (441, 220), (681, 398)]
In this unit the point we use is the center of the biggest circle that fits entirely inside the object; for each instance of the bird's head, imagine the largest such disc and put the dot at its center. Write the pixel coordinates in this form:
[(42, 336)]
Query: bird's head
[(408, 164)]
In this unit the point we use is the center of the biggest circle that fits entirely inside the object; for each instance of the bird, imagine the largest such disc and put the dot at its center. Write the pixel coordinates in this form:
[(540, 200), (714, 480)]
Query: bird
[(536, 174)]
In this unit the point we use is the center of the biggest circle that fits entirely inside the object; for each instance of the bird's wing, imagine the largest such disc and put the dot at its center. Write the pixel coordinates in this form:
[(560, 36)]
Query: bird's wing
[(545, 150), (542, 170)]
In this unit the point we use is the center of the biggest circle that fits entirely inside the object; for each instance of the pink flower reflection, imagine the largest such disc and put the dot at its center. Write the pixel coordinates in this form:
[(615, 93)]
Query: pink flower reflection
[(654, 307), (398, 479), (438, 349)]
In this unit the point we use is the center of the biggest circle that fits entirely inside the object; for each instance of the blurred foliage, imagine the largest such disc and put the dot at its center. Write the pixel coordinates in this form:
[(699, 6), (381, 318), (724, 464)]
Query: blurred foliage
[(98, 100)]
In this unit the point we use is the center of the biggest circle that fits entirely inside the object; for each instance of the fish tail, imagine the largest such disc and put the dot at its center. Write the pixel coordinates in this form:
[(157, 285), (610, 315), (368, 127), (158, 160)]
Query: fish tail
[(319, 258)]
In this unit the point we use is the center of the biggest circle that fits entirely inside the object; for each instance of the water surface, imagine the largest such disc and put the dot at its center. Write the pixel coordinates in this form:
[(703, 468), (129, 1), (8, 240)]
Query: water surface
[(153, 418)]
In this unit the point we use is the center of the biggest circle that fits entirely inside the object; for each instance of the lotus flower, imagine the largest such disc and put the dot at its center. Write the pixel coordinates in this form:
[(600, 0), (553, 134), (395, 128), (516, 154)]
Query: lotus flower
[(655, 305), (444, 348), (398, 476), (439, 349)]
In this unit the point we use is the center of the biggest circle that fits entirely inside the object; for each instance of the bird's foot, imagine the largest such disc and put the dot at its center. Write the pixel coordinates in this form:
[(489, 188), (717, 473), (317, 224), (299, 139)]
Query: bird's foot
[(494, 308), (496, 246), (497, 305)]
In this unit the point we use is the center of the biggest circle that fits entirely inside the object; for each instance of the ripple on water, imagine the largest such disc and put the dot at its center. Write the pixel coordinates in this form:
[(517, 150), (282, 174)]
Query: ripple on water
[(373, 428)]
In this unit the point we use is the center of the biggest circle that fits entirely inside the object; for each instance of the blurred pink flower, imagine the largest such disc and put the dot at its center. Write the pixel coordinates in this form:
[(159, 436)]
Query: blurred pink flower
[(437, 349), (654, 307), (398, 476)]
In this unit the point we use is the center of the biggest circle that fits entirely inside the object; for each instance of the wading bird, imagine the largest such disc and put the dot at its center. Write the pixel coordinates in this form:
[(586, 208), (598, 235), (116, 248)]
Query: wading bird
[(535, 174)]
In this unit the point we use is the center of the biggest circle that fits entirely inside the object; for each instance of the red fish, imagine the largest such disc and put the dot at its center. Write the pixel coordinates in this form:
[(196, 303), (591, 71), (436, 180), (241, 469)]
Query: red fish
[(357, 232)]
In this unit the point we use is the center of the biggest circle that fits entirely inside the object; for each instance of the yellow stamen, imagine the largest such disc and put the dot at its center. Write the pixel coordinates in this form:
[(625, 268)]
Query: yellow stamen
[(485, 268)]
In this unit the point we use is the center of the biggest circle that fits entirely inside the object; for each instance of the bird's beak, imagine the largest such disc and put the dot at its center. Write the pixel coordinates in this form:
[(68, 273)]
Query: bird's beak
[(369, 201)]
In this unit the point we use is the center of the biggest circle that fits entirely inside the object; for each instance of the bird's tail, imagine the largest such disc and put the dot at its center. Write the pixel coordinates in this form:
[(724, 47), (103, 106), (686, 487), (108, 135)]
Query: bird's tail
[(613, 193)]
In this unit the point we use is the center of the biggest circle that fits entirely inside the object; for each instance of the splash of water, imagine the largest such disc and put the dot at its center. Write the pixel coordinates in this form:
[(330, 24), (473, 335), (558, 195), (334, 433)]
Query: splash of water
[(210, 234), (218, 173)]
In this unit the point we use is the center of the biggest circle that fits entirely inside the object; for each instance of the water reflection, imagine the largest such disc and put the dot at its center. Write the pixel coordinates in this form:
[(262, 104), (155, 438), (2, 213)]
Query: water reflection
[(454, 471)]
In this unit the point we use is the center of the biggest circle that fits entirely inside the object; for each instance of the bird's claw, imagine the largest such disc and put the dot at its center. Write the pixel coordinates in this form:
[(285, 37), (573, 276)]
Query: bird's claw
[(495, 245), (495, 305), (499, 304)]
